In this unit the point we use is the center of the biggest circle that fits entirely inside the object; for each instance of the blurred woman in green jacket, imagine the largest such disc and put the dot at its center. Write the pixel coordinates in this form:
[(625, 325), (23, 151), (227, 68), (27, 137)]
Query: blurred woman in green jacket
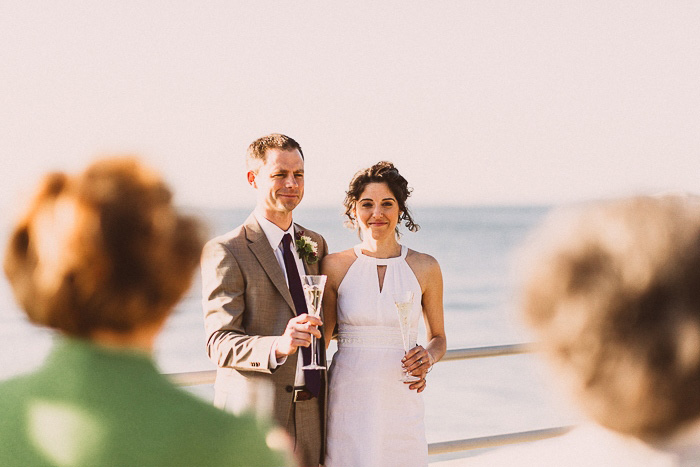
[(103, 257)]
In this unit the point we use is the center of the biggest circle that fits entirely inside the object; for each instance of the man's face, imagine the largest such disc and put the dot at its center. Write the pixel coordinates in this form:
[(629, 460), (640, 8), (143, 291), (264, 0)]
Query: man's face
[(280, 181)]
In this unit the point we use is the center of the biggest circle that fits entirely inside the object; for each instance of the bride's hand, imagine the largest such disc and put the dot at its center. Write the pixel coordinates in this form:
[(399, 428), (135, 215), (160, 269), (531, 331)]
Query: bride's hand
[(417, 362), (419, 386)]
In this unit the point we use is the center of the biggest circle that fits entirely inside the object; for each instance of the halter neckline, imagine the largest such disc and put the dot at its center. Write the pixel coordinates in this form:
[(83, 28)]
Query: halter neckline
[(381, 261)]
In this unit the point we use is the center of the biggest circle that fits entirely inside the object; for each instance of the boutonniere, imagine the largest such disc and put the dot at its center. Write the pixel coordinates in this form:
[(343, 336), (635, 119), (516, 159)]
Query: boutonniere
[(307, 248)]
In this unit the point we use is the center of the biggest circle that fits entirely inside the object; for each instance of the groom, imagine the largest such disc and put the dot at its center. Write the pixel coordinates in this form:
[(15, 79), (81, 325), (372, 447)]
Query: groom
[(254, 309)]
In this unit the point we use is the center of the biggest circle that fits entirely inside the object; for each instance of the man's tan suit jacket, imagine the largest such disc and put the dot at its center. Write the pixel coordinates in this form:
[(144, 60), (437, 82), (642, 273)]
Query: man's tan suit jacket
[(247, 305)]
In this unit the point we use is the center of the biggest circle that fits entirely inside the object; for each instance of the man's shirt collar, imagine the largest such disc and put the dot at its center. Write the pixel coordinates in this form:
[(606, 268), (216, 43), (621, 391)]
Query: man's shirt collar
[(273, 233)]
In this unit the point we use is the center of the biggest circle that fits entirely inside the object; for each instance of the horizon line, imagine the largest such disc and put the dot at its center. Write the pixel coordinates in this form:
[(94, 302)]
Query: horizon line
[(415, 206)]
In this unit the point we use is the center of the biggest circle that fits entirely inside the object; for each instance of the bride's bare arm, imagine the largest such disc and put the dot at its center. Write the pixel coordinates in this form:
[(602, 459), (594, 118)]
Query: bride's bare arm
[(420, 359), (434, 314)]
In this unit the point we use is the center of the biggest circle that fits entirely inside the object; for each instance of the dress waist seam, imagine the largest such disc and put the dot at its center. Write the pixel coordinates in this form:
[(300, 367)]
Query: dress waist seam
[(371, 337)]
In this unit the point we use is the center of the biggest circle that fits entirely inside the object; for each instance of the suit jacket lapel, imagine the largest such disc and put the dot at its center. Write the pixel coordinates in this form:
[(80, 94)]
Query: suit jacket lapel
[(310, 269), (260, 247)]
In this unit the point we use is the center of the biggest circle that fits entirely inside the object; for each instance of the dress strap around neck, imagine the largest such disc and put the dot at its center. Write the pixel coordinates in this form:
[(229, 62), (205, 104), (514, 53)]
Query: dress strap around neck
[(358, 251), (380, 261)]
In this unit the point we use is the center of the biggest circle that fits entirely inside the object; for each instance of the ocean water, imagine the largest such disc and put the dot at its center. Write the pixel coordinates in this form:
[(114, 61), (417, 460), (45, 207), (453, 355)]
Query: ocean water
[(463, 399)]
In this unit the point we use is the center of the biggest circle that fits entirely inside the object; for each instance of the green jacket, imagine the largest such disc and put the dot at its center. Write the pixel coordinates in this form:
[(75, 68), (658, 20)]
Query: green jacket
[(92, 406)]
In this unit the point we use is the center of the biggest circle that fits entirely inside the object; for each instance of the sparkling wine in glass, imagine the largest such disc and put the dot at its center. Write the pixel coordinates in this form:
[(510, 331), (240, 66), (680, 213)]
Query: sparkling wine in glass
[(404, 305), (313, 293)]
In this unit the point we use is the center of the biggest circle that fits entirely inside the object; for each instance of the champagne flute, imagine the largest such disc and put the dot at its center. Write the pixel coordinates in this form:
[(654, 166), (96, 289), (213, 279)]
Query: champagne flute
[(313, 293), (404, 306)]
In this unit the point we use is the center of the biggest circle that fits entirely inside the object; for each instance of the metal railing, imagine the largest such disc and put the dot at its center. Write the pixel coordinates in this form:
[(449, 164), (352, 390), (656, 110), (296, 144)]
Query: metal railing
[(482, 352), (195, 378), (495, 440)]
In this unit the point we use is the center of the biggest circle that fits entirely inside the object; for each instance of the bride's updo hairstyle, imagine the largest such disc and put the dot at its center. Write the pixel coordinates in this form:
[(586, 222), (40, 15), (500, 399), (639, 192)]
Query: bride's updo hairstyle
[(381, 172), (102, 250)]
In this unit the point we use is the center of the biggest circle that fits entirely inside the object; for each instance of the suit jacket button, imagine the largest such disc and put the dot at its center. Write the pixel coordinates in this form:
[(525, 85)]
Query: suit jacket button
[(289, 388)]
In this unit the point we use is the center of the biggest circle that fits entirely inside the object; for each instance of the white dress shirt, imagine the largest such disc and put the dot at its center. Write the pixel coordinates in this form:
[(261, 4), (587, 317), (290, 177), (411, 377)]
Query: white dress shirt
[(274, 235)]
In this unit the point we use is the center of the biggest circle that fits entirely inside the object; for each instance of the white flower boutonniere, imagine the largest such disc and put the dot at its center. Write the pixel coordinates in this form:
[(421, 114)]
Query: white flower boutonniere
[(307, 248)]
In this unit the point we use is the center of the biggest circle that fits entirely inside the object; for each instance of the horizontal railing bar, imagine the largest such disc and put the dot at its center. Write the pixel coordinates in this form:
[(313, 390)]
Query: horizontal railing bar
[(495, 440), (490, 351), (195, 378), (192, 378)]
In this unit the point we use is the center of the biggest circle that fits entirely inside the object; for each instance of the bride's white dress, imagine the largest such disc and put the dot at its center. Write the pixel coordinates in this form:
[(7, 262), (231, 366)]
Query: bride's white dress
[(373, 418)]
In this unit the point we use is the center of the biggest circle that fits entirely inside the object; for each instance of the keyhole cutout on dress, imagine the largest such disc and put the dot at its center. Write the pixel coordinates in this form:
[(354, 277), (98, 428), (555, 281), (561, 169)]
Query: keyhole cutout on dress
[(381, 272)]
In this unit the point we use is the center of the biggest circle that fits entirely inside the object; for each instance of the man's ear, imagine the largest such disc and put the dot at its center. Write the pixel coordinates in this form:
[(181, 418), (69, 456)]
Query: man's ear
[(251, 179)]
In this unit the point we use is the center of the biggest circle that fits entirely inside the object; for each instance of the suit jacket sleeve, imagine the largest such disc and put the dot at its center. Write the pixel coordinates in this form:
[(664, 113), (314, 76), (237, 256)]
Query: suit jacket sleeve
[(223, 292)]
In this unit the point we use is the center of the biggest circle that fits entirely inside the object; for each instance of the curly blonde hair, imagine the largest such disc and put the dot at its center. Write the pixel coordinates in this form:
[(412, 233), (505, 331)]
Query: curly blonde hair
[(102, 250)]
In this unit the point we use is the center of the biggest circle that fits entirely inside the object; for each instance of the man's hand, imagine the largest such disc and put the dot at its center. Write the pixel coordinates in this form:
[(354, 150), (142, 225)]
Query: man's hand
[(297, 334)]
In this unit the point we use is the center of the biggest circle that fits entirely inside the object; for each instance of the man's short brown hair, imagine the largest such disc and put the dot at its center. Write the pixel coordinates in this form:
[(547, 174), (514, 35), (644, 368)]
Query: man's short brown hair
[(256, 155)]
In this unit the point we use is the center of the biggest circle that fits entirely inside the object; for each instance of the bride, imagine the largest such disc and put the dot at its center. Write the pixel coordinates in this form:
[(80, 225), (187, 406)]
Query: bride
[(373, 418)]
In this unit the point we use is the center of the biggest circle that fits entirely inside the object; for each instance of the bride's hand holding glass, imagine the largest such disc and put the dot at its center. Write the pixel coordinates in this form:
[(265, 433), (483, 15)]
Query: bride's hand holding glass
[(417, 362)]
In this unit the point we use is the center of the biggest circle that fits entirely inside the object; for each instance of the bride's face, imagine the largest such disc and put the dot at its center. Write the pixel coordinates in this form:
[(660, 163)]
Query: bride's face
[(377, 211)]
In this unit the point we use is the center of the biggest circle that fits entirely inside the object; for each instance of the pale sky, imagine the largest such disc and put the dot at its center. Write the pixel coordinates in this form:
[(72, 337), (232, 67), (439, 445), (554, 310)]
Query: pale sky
[(474, 101)]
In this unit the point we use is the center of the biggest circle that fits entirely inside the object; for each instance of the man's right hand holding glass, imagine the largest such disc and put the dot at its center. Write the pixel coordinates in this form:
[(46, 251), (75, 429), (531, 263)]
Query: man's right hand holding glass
[(297, 334)]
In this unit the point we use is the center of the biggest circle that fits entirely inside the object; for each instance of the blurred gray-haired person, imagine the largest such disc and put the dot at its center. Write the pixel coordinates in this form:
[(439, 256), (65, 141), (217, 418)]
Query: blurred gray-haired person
[(612, 290)]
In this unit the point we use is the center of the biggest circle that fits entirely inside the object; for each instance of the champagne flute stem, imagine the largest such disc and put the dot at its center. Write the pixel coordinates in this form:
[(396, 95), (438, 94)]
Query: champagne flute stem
[(313, 350)]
